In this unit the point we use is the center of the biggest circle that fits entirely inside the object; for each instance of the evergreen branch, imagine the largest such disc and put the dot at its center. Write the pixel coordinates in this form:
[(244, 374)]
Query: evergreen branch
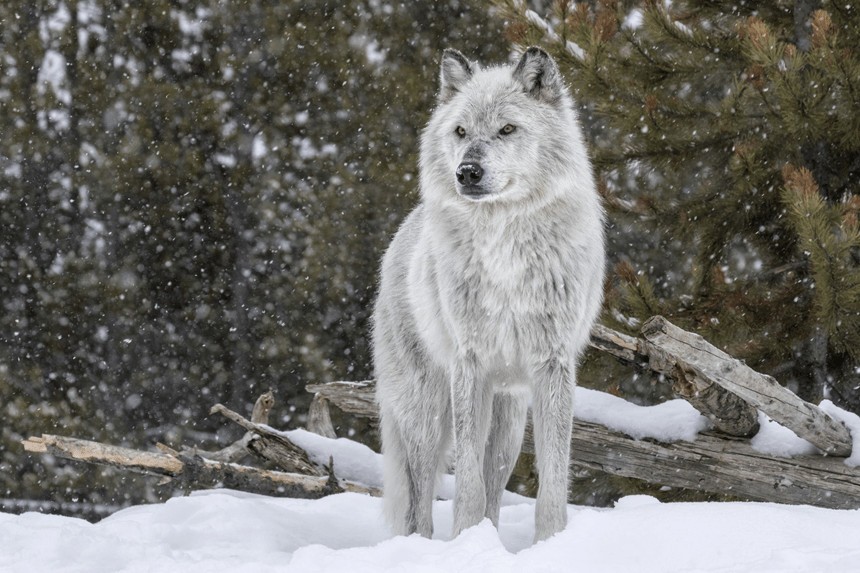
[(837, 285)]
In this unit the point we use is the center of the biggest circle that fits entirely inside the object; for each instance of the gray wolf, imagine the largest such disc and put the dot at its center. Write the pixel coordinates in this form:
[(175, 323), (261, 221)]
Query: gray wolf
[(488, 292)]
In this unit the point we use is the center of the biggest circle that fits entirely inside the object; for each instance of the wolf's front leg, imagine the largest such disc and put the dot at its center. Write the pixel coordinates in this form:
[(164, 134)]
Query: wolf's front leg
[(471, 402), (552, 412)]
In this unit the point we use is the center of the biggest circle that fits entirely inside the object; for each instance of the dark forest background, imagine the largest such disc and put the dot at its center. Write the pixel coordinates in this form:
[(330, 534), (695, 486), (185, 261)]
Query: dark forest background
[(195, 194)]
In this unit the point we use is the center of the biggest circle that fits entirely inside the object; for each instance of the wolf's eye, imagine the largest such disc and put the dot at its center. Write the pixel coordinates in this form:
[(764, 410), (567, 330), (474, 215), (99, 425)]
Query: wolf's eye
[(507, 130), (461, 131)]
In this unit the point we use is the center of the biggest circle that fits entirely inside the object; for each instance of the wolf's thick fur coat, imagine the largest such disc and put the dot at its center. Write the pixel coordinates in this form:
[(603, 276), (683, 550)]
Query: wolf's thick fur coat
[(488, 294)]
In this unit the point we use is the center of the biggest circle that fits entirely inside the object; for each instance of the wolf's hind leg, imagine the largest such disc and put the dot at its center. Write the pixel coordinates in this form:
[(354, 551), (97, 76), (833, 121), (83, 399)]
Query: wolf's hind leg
[(414, 445), (503, 447), (396, 478)]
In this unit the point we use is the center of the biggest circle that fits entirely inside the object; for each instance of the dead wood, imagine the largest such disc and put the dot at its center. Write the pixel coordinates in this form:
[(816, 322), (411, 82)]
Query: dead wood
[(319, 418), (703, 367), (239, 450), (190, 471), (729, 413), (272, 445)]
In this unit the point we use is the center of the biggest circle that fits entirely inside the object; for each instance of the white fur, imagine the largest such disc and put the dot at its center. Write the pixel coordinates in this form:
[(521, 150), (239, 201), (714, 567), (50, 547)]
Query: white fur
[(488, 295)]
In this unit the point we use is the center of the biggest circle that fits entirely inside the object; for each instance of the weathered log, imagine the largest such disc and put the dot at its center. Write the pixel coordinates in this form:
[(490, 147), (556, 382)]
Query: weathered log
[(271, 445), (622, 346), (153, 463), (729, 414), (236, 451), (200, 473), (352, 397), (670, 348), (712, 463), (194, 472), (319, 418), (718, 465)]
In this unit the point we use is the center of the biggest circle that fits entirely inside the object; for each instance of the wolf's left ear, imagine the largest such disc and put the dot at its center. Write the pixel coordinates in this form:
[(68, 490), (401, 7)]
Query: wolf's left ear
[(454, 73), (539, 75)]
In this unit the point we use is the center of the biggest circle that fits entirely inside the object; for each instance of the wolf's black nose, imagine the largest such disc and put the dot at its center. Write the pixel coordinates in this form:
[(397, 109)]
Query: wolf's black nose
[(469, 173)]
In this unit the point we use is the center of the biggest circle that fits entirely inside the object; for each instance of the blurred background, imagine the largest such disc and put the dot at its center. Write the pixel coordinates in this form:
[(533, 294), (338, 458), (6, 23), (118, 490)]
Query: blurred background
[(195, 195)]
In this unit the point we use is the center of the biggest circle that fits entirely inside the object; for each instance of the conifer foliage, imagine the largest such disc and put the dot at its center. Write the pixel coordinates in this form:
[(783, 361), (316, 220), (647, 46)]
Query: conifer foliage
[(727, 140)]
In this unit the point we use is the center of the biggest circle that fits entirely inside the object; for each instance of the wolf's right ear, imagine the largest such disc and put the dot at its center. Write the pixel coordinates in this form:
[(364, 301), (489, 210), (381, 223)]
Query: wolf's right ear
[(454, 72)]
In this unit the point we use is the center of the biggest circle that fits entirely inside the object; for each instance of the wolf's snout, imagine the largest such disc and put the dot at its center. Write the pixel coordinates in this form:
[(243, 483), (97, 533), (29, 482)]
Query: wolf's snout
[(469, 174)]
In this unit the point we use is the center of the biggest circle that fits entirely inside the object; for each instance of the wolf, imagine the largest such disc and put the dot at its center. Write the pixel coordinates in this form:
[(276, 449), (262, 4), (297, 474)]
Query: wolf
[(488, 292)]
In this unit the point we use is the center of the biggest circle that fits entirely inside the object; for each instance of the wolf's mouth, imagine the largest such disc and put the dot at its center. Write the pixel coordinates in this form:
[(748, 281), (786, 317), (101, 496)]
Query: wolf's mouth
[(473, 192)]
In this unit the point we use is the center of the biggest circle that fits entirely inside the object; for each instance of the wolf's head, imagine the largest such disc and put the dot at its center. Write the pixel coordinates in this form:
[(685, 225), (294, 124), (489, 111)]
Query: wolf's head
[(500, 134)]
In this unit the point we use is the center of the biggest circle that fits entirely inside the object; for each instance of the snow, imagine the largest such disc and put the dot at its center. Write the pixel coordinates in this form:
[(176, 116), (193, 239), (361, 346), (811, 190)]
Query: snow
[(633, 20), (352, 461), (777, 440), (224, 530), (669, 421), (852, 422)]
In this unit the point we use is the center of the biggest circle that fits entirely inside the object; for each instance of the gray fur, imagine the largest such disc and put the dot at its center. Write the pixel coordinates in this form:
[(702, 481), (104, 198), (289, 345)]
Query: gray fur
[(488, 293)]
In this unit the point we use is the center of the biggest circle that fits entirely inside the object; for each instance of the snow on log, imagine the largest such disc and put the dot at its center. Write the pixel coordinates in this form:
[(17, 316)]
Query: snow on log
[(704, 366)]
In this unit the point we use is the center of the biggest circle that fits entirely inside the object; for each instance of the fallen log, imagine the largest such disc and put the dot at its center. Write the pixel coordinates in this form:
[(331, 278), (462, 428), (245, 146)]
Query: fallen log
[(357, 398), (271, 445), (620, 345), (705, 367), (190, 471), (715, 464), (712, 463), (238, 450), (729, 414)]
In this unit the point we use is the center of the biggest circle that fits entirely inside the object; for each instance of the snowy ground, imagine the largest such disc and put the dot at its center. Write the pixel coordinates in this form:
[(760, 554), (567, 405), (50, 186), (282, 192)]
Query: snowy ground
[(223, 530), (231, 531)]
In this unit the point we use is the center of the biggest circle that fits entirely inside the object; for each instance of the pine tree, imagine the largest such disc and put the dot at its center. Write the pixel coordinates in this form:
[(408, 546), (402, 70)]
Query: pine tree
[(727, 140)]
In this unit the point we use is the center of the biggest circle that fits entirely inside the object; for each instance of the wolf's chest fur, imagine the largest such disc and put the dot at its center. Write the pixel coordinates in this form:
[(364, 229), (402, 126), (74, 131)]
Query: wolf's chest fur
[(502, 288), (515, 271)]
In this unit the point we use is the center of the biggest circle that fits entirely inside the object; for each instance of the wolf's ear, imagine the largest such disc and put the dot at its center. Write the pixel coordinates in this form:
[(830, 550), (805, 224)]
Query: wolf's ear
[(454, 73), (539, 75)]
